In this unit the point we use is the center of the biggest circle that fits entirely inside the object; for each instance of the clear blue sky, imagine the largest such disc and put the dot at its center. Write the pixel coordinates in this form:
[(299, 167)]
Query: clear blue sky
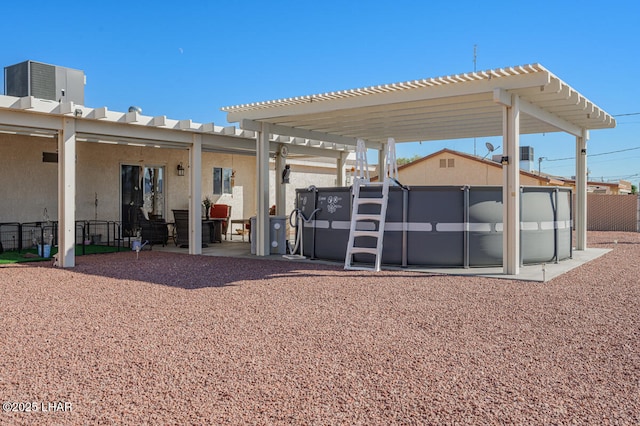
[(188, 59)]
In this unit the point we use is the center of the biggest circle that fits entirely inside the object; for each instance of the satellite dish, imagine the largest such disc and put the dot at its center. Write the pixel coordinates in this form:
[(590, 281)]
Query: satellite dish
[(490, 147)]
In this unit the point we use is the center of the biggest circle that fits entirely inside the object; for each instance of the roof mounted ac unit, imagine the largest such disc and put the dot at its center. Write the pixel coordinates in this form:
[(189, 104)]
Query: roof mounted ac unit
[(44, 81)]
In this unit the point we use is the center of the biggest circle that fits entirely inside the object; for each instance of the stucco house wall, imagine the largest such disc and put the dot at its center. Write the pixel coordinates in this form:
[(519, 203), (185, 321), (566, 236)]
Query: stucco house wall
[(29, 185), (447, 167), (302, 176)]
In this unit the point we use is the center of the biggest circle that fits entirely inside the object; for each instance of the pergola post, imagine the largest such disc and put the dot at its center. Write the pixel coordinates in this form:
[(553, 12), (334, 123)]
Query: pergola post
[(262, 186), (581, 191), (195, 202), (67, 193), (340, 169), (281, 187), (511, 187), (382, 160)]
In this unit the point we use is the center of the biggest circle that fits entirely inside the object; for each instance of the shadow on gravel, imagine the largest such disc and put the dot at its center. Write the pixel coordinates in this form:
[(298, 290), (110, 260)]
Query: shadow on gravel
[(196, 272)]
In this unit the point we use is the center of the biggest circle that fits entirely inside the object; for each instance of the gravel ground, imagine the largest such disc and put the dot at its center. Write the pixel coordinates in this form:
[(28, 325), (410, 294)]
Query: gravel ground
[(178, 339)]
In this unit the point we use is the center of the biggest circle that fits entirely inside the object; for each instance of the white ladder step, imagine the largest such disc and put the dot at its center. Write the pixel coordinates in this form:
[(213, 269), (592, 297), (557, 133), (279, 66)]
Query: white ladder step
[(374, 234), (365, 250), (361, 216), (370, 201)]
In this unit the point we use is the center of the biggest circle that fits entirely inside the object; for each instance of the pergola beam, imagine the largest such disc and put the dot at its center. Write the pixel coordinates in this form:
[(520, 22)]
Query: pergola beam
[(393, 94), (504, 97), (301, 133), (39, 122)]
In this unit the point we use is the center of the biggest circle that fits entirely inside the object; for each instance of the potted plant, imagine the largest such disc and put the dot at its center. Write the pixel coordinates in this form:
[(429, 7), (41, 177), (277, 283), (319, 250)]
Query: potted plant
[(207, 206)]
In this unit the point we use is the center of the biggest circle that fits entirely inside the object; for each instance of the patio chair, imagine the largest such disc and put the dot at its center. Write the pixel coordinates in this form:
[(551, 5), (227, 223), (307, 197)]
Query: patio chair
[(181, 220), (221, 211), (155, 231)]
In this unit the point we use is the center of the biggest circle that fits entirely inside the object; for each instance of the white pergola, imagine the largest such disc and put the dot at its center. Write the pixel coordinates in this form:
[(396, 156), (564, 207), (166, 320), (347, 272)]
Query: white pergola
[(508, 101), (68, 123)]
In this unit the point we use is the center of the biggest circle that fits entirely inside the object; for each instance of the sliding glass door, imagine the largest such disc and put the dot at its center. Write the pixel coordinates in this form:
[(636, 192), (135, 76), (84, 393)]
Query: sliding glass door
[(141, 186)]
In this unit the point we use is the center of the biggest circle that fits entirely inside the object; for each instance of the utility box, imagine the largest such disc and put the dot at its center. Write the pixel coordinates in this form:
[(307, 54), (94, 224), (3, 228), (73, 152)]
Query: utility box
[(44, 81), (277, 234)]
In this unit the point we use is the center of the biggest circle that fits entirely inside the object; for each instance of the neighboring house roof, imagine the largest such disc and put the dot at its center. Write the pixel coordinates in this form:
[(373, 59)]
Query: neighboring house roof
[(622, 186), (551, 180), (619, 187)]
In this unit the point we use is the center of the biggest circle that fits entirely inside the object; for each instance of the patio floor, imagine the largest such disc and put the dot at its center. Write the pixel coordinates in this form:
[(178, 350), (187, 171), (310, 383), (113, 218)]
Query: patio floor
[(238, 248)]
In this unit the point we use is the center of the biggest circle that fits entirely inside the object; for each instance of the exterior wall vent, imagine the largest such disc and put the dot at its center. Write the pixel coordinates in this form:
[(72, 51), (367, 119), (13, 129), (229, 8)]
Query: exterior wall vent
[(447, 163), (49, 157)]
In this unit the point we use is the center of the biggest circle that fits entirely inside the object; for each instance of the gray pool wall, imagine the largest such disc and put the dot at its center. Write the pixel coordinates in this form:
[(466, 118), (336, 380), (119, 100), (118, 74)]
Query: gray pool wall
[(440, 226)]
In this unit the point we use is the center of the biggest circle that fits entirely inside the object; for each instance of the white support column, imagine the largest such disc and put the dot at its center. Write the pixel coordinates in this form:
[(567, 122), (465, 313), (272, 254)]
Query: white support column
[(195, 197), (281, 188), (262, 190), (580, 217), (67, 193), (340, 169), (382, 161), (511, 188)]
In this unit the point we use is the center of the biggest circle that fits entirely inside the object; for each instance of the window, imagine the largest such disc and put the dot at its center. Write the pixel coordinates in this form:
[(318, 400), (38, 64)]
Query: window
[(451, 162), (443, 163), (221, 181)]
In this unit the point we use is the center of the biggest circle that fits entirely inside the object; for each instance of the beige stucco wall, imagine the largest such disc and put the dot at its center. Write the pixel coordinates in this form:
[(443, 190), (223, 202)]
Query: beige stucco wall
[(464, 172), (301, 177), (29, 186), (243, 198)]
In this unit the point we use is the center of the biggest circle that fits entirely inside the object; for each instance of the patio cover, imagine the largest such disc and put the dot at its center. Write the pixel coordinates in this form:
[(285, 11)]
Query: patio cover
[(69, 123), (507, 101)]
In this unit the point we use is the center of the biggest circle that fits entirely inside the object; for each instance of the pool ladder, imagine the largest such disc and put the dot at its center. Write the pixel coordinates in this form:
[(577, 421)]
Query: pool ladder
[(362, 222)]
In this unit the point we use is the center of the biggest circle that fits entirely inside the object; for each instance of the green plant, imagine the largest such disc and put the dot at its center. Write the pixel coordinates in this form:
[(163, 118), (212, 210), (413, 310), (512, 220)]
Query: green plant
[(207, 202)]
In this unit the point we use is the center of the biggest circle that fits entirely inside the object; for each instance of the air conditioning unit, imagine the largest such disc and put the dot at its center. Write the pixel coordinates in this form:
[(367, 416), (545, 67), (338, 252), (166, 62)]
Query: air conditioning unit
[(44, 81), (526, 153)]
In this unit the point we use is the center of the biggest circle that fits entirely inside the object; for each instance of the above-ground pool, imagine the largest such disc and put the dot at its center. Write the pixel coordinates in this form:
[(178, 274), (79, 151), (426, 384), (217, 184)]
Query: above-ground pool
[(440, 226)]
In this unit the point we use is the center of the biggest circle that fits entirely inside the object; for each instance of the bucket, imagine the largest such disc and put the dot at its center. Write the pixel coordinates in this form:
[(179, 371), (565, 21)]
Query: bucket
[(44, 251)]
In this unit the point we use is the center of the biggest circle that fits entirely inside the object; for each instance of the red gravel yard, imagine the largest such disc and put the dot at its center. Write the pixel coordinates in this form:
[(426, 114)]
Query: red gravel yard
[(178, 339)]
